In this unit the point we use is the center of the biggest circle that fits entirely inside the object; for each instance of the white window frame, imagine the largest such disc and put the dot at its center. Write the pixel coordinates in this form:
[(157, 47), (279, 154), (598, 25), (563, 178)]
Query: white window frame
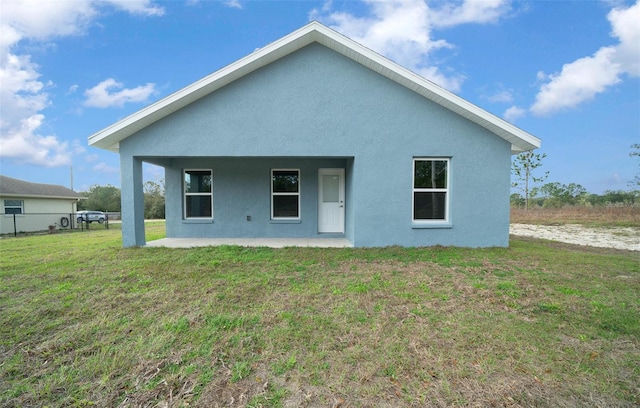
[(447, 191), (5, 206), (273, 194), (185, 194)]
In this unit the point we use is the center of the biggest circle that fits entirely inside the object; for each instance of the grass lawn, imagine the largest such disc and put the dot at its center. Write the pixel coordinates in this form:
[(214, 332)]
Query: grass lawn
[(84, 322)]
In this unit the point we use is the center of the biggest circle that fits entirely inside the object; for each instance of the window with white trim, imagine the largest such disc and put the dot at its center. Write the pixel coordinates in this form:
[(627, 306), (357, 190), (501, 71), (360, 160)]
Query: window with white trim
[(13, 206), (285, 194), (430, 190), (198, 194)]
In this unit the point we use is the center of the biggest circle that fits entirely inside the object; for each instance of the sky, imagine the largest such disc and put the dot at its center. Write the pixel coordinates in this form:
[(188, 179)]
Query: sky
[(567, 72)]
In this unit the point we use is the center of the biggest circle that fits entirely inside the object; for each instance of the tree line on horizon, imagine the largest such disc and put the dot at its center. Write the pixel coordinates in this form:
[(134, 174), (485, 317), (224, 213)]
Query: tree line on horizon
[(107, 199), (558, 195), (531, 191)]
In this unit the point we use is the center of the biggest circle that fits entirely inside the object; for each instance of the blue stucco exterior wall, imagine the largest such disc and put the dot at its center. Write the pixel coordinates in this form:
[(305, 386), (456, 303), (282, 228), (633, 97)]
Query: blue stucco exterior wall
[(314, 109)]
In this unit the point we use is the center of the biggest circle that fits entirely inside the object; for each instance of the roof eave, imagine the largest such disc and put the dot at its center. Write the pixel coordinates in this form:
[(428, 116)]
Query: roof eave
[(39, 196)]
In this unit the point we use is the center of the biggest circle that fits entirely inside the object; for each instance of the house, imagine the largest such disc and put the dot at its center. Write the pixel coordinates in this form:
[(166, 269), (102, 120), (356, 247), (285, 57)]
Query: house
[(313, 136), (28, 207)]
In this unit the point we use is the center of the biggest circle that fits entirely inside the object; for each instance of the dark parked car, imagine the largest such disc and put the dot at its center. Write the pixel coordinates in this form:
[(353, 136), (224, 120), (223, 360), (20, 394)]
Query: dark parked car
[(91, 216)]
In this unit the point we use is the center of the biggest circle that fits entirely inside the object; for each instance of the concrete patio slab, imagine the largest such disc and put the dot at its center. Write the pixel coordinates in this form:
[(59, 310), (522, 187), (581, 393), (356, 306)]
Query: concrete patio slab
[(251, 242)]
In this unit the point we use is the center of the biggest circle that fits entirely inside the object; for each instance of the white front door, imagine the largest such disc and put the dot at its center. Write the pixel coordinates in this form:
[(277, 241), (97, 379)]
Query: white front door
[(331, 200)]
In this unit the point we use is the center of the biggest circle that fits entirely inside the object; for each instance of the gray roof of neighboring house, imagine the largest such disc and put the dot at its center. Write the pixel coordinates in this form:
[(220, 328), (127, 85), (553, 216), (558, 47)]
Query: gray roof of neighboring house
[(10, 187)]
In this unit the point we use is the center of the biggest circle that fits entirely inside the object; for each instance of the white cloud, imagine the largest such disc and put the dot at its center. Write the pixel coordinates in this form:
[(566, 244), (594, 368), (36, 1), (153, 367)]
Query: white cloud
[(233, 4), (584, 78), (105, 168), (626, 27), (42, 20), (24, 146), (140, 7), (23, 94), (514, 113), (471, 11), (72, 89), (110, 93), (501, 96), (578, 82), (77, 147), (403, 30), (22, 97)]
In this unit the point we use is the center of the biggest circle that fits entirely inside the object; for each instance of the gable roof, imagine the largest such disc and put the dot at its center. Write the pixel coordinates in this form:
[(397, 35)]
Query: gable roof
[(10, 187), (110, 137)]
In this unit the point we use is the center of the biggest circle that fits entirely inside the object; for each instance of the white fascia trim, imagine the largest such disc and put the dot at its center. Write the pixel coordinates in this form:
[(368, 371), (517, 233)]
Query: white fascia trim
[(110, 137)]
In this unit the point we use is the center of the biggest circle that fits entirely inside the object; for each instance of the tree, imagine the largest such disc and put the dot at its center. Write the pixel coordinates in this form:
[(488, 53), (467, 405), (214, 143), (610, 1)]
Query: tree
[(635, 152), (154, 200), (516, 200), (558, 195), (522, 168), (620, 197), (102, 198)]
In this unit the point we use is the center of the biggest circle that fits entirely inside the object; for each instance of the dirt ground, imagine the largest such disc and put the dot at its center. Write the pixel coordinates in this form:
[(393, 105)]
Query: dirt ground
[(618, 238)]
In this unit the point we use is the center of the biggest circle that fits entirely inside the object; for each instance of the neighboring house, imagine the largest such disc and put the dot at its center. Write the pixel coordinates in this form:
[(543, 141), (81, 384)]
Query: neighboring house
[(315, 135), (35, 206)]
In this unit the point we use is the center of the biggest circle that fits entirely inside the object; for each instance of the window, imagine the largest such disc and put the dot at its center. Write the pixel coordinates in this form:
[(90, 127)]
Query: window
[(285, 194), (430, 190), (198, 194), (13, 207)]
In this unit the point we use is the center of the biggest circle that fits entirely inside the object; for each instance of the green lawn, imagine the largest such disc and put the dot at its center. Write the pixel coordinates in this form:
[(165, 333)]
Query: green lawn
[(84, 322)]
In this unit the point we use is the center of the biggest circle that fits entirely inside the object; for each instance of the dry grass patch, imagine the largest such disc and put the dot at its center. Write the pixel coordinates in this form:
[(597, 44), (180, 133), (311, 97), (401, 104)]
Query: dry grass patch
[(598, 216)]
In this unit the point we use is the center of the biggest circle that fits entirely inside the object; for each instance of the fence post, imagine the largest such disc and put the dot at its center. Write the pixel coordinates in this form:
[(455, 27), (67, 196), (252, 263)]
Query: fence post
[(15, 228)]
